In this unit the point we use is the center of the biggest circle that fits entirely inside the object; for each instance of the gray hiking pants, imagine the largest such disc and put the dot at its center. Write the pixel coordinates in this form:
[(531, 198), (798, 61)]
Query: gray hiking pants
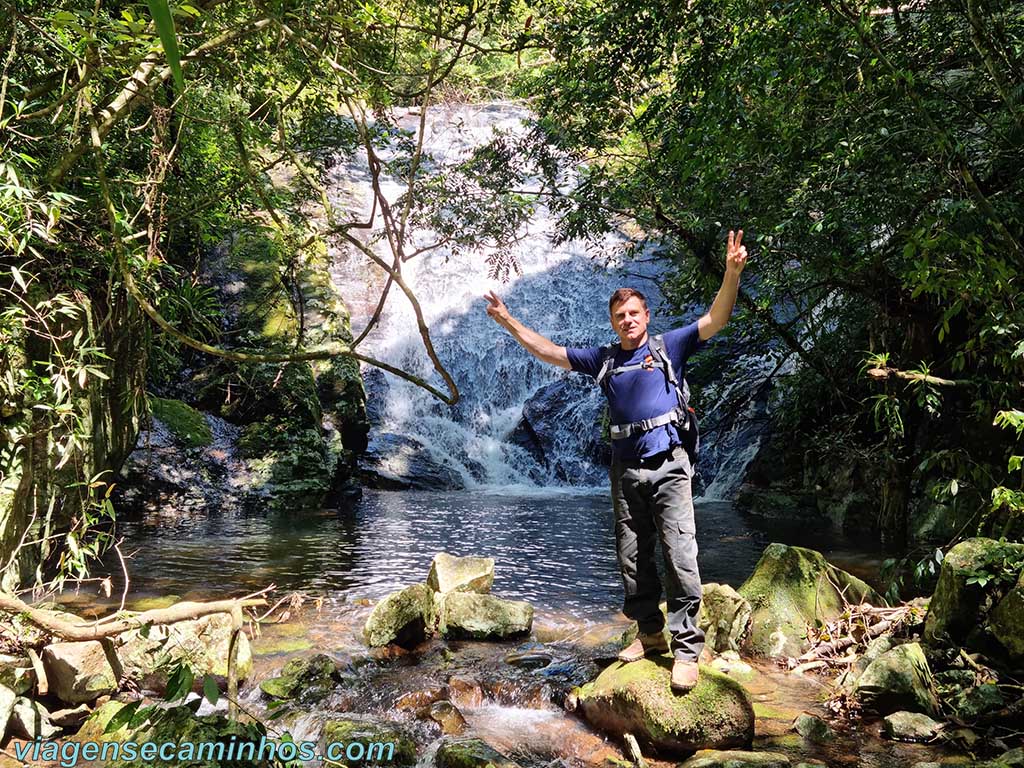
[(653, 501)]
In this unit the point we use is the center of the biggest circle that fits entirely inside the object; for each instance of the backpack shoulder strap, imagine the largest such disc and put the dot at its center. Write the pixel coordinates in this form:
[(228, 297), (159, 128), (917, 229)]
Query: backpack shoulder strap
[(607, 362), (657, 344)]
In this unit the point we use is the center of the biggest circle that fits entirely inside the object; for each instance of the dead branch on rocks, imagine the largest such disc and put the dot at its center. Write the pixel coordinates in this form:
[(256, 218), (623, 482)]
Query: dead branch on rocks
[(118, 623), (858, 625)]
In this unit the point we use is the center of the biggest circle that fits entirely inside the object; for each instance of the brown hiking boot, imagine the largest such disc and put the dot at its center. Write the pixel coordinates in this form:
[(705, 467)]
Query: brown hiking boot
[(684, 675), (644, 645)]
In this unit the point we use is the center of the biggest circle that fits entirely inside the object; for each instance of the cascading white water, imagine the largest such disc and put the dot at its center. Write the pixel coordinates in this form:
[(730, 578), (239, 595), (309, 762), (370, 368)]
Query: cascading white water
[(562, 293)]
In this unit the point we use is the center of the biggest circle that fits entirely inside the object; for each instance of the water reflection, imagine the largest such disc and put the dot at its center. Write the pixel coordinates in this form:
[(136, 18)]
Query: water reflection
[(555, 550)]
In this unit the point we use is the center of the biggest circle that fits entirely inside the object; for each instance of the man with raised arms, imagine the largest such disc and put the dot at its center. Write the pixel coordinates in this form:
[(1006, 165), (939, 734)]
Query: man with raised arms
[(651, 470)]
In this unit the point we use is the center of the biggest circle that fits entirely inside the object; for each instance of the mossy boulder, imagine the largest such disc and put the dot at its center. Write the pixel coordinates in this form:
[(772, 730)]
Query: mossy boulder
[(203, 643), (791, 588), (185, 422), (402, 618), (1006, 622), (636, 698), (483, 617), (957, 606), (461, 574), (459, 752), (724, 617), (897, 680), (710, 758), (305, 679), (385, 743)]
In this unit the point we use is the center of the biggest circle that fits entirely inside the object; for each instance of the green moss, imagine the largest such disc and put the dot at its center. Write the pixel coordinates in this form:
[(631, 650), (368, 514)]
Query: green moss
[(185, 422), (149, 603), (401, 752), (792, 587), (718, 705), (470, 753)]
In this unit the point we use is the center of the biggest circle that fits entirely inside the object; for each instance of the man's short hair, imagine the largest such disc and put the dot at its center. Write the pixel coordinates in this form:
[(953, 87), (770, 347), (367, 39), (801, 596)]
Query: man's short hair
[(624, 294)]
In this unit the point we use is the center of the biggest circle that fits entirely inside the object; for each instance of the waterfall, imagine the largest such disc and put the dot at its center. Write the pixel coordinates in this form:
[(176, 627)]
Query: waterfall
[(485, 441)]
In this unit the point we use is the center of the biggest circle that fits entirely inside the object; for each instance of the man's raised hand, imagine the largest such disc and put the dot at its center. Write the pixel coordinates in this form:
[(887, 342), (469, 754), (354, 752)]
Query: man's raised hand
[(735, 253), (496, 308)]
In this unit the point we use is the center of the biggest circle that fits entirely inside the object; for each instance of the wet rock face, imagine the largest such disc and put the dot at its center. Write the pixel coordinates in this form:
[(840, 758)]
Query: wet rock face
[(899, 679), (398, 462), (636, 698), (956, 613), (791, 588), (544, 428)]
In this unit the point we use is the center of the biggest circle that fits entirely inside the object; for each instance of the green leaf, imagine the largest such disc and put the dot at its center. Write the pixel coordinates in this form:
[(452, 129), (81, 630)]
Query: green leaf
[(210, 690), (161, 13), (122, 717)]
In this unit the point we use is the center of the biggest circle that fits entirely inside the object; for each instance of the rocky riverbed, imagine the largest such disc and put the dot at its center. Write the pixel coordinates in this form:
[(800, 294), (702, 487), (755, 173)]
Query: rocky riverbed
[(453, 675)]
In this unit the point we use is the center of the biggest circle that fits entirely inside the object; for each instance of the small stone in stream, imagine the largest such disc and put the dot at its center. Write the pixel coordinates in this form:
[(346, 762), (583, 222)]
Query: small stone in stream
[(415, 700), (447, 715), (458, 752), (461, 574), (814, 729), (910, 726)]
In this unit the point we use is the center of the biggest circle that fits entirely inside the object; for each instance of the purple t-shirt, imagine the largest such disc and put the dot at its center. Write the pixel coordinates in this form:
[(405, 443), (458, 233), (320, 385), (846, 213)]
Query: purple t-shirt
[(642, 393)]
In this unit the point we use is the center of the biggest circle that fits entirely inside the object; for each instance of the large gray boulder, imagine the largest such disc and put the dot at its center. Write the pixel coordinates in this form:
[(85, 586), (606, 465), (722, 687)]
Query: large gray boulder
[(483, 617), (461, 574), (897, 680), (81, 672), (402, 618), (954, 612), (202, 643), (792, 588), (636, 698), (724, 617)]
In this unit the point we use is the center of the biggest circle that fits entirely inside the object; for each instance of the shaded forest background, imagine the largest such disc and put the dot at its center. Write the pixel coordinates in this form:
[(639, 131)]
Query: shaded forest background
[(872, 154)]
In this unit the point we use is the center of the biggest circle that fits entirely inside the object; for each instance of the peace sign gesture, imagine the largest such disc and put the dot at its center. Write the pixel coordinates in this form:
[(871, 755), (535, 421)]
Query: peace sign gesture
[(735, 253)]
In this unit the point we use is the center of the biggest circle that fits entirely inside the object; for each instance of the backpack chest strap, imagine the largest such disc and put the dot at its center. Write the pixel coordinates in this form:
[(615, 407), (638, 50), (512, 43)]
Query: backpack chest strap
[(675, 416)]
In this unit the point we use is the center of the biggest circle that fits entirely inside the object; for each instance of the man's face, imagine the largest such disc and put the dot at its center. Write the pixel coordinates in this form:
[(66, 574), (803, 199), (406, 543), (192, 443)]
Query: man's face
[(629, 321)]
